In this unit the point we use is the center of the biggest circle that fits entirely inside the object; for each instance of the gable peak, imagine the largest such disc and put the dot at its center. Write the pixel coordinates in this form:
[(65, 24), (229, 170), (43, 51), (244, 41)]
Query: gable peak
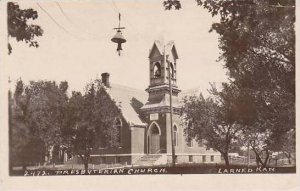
[(160, 46)]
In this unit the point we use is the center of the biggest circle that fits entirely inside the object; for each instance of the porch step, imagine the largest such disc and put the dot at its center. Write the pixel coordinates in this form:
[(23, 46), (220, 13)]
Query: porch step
[(147, 160)]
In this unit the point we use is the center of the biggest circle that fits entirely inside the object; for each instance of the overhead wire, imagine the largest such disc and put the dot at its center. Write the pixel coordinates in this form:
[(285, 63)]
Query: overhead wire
[(63, 12), (52, 18), (92, 36)]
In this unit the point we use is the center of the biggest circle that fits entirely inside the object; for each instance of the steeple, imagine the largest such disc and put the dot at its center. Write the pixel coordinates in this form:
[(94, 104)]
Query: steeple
[(160, 57), (158, 68)]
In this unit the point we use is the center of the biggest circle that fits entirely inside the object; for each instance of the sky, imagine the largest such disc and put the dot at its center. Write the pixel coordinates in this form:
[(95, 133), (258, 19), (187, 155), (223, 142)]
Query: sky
[(77, 46)]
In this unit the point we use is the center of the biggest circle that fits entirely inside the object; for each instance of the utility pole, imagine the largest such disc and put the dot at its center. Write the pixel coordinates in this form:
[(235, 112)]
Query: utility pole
[(171, 107)]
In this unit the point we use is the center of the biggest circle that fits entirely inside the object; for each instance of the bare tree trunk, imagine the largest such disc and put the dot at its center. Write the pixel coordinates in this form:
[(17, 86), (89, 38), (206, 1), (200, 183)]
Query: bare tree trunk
[(226, 158), (265, 163), (288, 156), (258, 159)]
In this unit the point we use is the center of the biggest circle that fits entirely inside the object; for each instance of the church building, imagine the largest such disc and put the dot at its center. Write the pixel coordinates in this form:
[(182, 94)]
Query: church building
[(145, 129)]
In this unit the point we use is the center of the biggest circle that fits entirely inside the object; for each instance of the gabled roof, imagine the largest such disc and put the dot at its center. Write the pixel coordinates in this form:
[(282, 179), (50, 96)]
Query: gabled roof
[(129, 100), (169, 47)]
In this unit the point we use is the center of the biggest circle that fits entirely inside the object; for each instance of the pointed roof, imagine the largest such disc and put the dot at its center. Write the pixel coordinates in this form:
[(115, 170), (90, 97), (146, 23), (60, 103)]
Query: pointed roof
[(169, 47), (130, 101)]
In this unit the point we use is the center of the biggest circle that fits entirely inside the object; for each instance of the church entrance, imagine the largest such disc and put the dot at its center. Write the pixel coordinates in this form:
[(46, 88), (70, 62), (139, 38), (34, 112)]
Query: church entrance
[(154, 139)]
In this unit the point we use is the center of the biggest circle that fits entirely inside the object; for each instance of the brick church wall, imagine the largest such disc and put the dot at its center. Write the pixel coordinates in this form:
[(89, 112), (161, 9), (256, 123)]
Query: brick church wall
[(137, 140)]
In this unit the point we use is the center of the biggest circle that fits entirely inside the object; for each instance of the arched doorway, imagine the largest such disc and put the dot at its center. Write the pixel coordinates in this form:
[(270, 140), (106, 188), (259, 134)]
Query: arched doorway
[(153, 139)]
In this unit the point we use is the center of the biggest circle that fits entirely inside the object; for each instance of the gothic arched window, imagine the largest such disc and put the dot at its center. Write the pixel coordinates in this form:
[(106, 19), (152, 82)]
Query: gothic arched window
[(154, 129), (175, 135), (118, 127), (172, 70), (157, 70)]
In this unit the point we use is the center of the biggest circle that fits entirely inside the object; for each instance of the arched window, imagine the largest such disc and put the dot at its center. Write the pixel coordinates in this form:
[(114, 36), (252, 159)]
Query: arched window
[(154, 129), (172, 70), (157, 70), (118, 127), (175, 135)]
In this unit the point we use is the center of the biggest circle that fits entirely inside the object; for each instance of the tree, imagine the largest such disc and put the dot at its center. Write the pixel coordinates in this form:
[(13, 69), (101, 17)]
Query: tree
[(213, 120), (19, 28), (90, 121), (289, 145), (41, 106), (24, 148), (169, 4), (257, 43)]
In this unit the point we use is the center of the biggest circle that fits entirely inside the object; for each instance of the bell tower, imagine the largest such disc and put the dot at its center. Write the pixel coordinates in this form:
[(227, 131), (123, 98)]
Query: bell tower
[(162, 64), (160, 58)]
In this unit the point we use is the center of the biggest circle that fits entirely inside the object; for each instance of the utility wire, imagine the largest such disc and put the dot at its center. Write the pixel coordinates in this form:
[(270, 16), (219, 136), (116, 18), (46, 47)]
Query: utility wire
[(63, 12), (92, 36), (52, 18), (60, 26)]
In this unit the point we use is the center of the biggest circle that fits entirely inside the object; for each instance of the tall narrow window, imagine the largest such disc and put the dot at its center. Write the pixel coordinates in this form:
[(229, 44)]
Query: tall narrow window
[(175, 135), (118, 127), (189, 134), (190, 158), (172, 71), (157, 70)]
